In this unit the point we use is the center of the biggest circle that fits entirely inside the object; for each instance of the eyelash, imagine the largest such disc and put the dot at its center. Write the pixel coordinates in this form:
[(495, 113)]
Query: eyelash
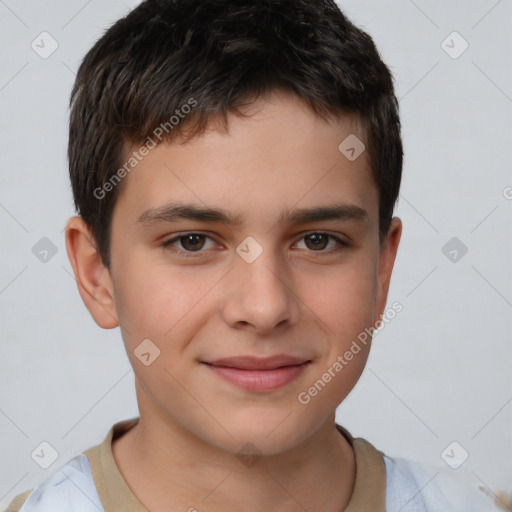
[(198, 254)]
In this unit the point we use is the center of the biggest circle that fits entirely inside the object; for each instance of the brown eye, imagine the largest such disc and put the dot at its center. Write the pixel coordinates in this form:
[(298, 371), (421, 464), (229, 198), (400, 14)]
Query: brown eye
[(189, 243), (323, 243), (317, 241), (196, 244), (192, 242)]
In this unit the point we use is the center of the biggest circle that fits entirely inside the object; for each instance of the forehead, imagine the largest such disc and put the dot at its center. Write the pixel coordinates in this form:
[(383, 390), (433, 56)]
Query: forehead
[(280, 157)]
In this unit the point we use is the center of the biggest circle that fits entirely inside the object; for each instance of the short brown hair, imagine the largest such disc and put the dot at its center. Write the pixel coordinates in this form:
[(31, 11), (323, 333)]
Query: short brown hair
[(221, 54)]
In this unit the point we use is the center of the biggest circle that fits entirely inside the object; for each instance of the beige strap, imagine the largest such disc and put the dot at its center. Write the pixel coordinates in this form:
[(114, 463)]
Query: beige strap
[(112, 488), (18, 501), (369, 494)]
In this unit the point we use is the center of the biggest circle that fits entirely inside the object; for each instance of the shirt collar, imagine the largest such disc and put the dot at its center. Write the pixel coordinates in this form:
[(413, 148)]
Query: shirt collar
[(369, 493)]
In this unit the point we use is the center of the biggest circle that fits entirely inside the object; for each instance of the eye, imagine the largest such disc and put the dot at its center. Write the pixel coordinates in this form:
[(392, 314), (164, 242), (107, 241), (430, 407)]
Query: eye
[(192, 244), (318, 242), (189, 243)]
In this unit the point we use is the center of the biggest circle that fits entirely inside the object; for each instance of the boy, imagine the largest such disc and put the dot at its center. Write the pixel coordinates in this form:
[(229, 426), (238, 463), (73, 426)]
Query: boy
[(235, 165)]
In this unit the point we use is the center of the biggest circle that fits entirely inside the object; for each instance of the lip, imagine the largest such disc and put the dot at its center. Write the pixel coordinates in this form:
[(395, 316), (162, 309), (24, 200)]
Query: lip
[(258, 363), (258, 374)]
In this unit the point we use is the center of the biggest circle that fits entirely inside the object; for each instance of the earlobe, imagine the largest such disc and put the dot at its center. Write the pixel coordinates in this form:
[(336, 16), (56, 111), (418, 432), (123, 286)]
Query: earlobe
[(93, 279), (387, 255)]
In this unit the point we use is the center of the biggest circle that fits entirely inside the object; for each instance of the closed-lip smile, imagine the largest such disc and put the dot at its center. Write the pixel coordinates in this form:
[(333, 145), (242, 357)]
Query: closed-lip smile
[(258, 374)]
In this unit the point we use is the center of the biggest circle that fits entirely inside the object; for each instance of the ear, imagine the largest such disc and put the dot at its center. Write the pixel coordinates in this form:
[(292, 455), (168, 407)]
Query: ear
[(92, 277), (387, 255)]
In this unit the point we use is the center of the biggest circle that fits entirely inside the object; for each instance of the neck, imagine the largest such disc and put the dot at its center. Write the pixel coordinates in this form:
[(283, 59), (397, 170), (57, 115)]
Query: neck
[(170, 472)]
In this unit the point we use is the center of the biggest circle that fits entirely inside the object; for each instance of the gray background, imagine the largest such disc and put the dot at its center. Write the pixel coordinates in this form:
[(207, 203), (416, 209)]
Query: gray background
[(439, 372)]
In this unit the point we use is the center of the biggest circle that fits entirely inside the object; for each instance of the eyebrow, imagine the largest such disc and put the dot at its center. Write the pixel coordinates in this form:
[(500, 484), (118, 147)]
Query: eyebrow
[(176, 211)]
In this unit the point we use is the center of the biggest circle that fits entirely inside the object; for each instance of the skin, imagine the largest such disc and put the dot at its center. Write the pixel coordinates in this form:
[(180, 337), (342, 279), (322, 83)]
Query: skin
[(293, 299)]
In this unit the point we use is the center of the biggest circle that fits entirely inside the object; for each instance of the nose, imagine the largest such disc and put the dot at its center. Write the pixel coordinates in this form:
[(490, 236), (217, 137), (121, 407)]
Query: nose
[(261, 295)]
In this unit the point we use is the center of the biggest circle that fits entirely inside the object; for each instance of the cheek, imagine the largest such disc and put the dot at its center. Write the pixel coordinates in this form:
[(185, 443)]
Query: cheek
[(345, 305), (156, 301), (344, 299)]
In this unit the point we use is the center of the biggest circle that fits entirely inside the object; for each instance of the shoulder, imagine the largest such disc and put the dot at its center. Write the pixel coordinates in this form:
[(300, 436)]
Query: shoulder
[(412, 486), (17, 501), (72, 486)]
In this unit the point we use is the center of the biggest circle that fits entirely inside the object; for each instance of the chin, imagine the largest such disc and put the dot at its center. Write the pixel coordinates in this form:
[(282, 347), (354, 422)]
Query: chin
[(266, 434)]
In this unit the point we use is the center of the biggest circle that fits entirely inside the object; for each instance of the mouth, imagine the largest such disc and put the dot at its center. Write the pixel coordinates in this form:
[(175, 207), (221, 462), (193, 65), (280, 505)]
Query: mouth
[(258, 374)]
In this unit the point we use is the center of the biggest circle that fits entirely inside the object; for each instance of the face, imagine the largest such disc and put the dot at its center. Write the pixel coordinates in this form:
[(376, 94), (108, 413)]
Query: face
[(274, 256)]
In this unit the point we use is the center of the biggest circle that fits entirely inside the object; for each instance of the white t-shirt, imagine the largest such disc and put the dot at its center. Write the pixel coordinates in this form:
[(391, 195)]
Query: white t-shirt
[(409, 486)]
